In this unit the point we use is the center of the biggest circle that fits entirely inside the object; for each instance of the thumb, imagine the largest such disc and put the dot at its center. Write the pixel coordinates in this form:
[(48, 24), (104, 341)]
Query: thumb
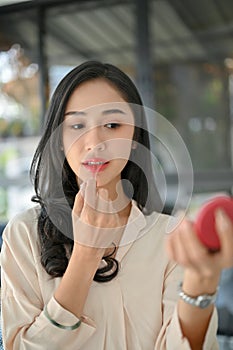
[(224, 227), (223, 222)]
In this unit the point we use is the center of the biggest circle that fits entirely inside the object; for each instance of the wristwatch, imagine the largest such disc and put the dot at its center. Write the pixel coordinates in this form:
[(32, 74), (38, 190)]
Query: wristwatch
[(201, 301)]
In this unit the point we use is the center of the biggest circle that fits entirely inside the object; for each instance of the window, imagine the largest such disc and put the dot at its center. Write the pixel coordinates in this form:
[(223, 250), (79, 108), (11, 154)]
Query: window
[(20, 110)]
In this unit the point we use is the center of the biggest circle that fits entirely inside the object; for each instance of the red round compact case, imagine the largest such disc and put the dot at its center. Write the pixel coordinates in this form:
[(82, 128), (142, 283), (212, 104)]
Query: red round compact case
[(205, 221)]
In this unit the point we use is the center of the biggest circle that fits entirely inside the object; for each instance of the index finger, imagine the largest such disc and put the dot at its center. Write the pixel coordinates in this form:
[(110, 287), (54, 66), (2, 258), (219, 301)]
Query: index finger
[(78, 204), (90, 194)]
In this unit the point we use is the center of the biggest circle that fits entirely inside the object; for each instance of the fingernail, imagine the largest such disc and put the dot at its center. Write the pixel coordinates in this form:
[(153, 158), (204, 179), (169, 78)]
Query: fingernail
[(180, 214), (222, 220)]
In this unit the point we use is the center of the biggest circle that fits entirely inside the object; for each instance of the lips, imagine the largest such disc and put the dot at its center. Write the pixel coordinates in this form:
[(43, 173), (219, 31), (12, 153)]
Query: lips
[(95, 165)]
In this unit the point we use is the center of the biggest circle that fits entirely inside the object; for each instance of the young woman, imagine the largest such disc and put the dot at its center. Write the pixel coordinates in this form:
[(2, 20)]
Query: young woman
[(86, 268)]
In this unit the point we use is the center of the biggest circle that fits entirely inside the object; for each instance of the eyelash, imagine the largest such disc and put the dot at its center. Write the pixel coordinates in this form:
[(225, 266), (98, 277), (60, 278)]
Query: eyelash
[(113, 125), (108, 126)]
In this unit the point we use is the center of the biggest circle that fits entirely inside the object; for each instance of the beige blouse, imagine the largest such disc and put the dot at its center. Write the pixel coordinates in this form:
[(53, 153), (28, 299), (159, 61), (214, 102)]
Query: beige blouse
[(134, 311)]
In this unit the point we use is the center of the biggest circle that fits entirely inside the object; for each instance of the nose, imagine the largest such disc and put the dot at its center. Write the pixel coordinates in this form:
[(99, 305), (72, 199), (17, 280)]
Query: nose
[(93, 140)]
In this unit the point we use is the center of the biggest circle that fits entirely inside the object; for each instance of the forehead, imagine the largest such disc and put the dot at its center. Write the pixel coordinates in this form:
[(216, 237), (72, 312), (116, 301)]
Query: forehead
[(98, 98), (92, 93)]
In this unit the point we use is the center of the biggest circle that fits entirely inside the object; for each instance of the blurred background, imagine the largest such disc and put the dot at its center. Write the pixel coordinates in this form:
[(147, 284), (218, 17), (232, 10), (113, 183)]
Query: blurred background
[(178, 52)]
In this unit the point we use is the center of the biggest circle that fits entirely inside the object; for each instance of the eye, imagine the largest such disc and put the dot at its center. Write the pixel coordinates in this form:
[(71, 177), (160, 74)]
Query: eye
[(112, 125), (77, 126)]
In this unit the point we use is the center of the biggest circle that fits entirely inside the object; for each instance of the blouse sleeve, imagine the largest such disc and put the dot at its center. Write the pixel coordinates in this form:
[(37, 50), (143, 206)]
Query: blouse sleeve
[(24, 324), (170, 336)]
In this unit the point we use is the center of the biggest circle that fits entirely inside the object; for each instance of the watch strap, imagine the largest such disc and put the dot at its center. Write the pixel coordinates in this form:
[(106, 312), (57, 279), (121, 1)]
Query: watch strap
[(202, 301)]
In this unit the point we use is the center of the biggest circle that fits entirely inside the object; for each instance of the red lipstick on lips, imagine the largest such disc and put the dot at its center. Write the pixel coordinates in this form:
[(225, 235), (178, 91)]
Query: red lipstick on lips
[(95, 165)]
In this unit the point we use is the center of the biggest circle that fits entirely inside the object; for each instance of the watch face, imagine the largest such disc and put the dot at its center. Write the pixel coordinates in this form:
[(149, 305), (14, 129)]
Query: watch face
[(204, 303)]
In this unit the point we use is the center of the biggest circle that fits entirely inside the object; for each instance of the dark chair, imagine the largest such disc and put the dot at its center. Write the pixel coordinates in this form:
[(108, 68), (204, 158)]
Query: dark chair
[(1, 344), (2, 226), (225, 311)]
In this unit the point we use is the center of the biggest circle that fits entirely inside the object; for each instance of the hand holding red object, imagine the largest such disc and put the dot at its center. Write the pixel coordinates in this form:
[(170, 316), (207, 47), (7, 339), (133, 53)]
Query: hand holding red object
[(205, 222)]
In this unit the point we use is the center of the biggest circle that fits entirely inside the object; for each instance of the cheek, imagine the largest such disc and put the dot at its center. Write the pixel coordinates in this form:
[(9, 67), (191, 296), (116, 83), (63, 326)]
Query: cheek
[(71, 141), (120, 148), (72, 151)]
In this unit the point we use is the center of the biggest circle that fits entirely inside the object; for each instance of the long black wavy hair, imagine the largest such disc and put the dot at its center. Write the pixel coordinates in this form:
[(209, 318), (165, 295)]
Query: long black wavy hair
[(55, 183)]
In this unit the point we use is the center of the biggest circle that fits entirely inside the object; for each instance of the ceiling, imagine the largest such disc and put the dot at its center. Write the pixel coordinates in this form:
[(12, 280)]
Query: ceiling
[(10, 2), (76, 30)]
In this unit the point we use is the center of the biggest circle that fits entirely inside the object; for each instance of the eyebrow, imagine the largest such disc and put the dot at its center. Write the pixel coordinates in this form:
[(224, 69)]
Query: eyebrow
[(75, 113), (113, 111), (106, 112)]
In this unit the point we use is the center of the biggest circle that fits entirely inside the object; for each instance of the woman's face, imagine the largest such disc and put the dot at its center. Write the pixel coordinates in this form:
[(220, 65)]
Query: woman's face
[(97, 133)]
